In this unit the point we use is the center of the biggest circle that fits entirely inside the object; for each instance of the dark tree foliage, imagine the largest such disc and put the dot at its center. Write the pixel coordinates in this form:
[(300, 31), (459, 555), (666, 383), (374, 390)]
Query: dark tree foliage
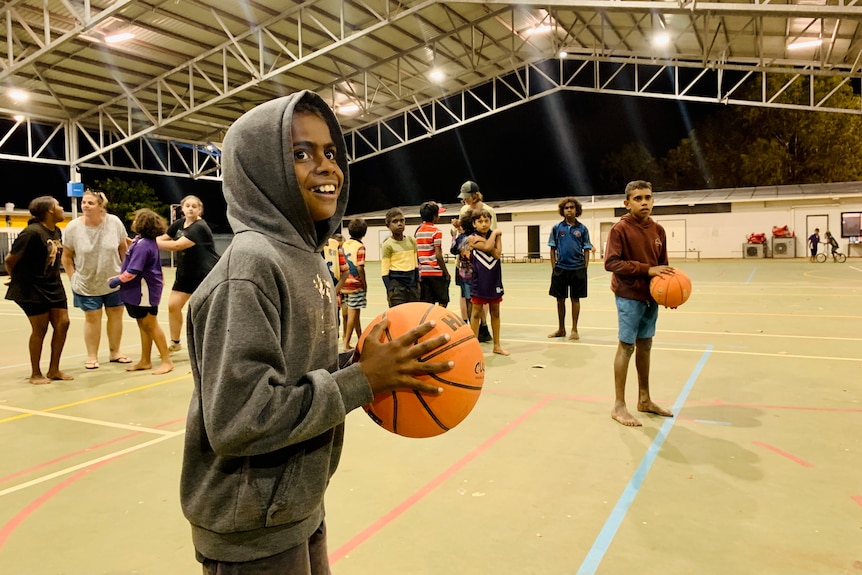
[(124, 198), (743, 146)]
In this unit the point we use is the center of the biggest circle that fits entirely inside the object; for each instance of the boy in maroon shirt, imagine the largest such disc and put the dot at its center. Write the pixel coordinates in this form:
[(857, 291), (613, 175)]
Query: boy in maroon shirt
[(636, 251)]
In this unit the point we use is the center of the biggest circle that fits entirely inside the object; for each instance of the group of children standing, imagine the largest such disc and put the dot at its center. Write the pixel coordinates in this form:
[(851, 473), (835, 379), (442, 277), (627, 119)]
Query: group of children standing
[(413, 268)]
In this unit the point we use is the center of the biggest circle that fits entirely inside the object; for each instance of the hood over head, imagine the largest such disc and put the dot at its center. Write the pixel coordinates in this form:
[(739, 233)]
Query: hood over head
[(259, 180)]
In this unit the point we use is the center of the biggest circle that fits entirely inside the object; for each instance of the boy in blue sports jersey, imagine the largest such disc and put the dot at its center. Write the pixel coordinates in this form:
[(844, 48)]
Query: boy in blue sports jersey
[(570, 256)]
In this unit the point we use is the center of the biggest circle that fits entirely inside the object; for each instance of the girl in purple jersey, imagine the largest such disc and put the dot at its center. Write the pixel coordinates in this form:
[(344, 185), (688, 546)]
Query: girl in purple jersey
[(486, 288), (141, 284)]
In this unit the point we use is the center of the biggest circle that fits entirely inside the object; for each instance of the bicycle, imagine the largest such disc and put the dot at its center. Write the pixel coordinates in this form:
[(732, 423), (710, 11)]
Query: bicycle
[(838, 257)]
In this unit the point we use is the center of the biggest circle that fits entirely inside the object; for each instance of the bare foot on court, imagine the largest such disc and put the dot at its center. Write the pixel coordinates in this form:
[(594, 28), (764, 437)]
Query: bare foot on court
[(500, 351), (574, 335), (558, 333), (139, 367), (621, 415), (650, 407), (39, 379), (59, 375), (166, 367)]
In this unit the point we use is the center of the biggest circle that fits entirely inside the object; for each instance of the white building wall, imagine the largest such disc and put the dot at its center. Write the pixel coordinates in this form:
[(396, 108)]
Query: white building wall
[(716, 236)]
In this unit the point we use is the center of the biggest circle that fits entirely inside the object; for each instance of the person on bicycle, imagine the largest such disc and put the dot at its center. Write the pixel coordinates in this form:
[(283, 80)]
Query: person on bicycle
[(833, 243)]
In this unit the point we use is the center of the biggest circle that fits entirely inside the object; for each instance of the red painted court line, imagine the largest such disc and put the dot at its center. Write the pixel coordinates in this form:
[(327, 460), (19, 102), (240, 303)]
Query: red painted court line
[(82, 451), (378, 525), (19, 518), (782, 453), (13, 523), (857, 499)]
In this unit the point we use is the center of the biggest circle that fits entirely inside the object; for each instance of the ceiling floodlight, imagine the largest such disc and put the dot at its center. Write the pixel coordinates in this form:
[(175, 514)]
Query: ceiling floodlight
[(563, 54), (437, 75), (539, 29), (19, 118), (18, 95), (348, 109), (122, 37), (805, 44), (661, 40)]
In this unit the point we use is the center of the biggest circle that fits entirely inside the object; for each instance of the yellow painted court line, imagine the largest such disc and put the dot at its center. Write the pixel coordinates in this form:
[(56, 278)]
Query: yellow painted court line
[(92, 399), (86, 464), (86, 420)]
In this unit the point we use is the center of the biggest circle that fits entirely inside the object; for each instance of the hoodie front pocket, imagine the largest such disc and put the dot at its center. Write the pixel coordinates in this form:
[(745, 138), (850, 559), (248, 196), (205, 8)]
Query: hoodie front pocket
[(300, 490)]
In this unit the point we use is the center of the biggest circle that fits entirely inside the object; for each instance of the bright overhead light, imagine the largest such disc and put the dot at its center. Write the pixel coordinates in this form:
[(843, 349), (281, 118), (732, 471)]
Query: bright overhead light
[(18, 95), (805, 44), (563, 54), (539, 29), (19, 118), (661, 40), (121, 37), (436, 75), (348, 109)]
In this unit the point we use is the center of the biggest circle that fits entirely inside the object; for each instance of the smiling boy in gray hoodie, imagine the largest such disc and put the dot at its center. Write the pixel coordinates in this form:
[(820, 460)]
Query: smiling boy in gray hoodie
[(266, 420)]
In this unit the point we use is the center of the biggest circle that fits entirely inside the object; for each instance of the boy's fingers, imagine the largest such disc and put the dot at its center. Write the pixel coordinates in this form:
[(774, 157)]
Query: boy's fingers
[(429, 367), (421, 349), (377, 331), (417, 332), (426, 387)]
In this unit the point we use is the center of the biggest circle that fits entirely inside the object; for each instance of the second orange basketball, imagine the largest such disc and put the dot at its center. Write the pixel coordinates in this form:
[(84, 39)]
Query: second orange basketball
[(414, 414), (671, 290)]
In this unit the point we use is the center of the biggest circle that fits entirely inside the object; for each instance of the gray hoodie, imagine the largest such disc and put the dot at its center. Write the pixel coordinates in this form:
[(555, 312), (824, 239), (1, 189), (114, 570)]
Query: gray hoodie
[(265, 424)]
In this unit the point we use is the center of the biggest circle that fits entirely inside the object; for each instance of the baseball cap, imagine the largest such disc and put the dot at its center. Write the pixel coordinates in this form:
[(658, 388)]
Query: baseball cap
[(468, 188)]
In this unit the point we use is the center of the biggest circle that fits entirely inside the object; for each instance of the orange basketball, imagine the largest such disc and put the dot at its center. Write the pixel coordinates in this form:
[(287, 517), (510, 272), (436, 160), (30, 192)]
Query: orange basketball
[(671, 290), (414, 414)]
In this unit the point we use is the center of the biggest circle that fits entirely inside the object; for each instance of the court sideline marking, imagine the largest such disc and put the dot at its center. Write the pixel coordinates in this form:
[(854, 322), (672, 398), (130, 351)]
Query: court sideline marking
[(86, 420), (91, 462), (420, 494), (92, 399), (606, 535), (657, 346)]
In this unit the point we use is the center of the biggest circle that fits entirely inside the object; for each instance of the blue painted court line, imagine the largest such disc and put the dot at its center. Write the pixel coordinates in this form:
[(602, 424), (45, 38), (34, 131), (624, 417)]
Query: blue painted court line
[(609, 531), (751, 276)]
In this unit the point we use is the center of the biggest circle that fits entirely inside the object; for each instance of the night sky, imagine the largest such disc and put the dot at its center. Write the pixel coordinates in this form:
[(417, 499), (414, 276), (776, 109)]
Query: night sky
[(550, 147)]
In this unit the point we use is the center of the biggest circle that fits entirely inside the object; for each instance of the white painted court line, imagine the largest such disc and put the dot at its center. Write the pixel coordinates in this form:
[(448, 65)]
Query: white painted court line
[(86, 420), (86, 464), (657, 346), (709, 333)]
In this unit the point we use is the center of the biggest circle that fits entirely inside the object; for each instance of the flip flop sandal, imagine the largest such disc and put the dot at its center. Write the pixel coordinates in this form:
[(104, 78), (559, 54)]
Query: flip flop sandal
[(91, 365), (121, 359)]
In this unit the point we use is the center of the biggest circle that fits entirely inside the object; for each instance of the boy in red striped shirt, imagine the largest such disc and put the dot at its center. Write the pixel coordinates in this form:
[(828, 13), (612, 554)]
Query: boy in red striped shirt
[(433, 275)]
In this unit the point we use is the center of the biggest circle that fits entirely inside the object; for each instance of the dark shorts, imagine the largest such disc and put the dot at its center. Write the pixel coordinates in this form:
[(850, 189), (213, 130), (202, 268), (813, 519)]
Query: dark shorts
[(34, 309), (187, 284), (568, 283), (93, 302), (141, 311), (434, 290), (309, 557), (401, 293)]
